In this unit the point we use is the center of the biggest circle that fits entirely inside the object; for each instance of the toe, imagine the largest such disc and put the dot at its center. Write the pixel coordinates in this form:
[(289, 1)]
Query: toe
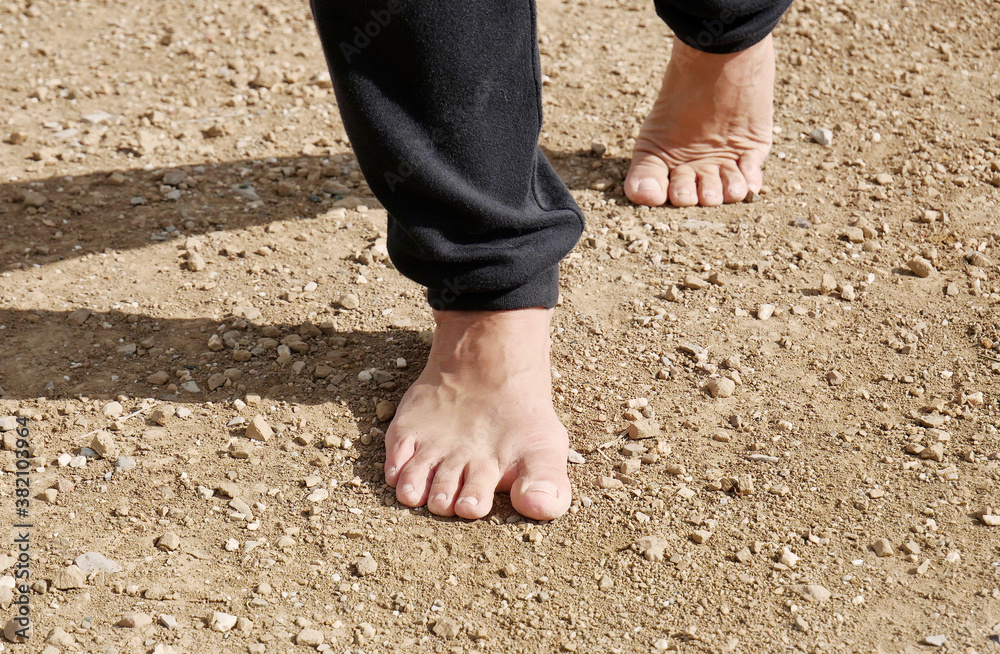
[(542, 491), (683, 187), (709, 187), (646, 182), (399, 450), (444, 488), (414, 482), (734, 186), (750, 167), (475, 499)]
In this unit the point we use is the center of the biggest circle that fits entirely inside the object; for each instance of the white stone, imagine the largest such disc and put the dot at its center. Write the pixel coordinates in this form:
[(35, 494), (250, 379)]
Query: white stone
[(222, 622)]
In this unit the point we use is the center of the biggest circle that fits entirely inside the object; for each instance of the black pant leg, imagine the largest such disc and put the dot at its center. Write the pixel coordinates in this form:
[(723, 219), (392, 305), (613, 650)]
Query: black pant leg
[(441, 100), (722, 26)]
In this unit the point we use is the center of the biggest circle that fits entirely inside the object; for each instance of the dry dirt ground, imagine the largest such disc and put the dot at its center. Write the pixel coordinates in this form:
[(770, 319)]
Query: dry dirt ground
[(206, 250)]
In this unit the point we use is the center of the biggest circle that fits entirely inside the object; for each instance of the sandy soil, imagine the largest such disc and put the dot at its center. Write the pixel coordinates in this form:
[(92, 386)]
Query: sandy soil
[(184, 232)]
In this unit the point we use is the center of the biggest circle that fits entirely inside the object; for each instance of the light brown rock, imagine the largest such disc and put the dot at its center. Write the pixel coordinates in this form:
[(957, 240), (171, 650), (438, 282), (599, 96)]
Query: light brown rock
[(920, 267), (722, 387), (259, 430), (643, 428), (68, 578), (883, 547)]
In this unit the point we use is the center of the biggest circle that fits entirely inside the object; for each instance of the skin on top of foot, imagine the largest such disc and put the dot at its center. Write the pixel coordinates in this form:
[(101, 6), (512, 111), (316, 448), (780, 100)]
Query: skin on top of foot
[(479, 420), (709, 131)]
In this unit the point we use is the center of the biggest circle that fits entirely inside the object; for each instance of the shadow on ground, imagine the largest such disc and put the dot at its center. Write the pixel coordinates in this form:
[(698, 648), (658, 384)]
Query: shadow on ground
[(62, 217)]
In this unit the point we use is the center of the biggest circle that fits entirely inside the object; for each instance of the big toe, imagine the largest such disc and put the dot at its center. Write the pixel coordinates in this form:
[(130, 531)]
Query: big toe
[(542, 491), (646, 182)]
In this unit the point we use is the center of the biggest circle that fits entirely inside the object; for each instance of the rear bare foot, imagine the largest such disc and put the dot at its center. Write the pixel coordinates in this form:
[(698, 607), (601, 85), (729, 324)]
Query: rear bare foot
[(710, 130), (479, 419)]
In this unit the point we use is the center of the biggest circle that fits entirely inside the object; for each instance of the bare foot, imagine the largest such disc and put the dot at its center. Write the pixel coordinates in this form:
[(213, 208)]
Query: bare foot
[(709, 131), (479, 419)]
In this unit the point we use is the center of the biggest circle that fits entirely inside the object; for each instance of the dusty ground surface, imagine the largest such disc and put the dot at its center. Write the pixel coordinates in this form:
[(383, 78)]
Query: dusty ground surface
[(214, 228)]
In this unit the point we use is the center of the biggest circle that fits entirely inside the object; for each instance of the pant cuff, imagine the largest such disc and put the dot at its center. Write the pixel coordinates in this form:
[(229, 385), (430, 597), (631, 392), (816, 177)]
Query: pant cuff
[(540, 291)]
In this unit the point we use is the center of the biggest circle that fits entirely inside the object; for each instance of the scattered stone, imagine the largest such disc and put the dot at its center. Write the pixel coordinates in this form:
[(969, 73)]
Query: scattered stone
[(811, 592), (932, 420), (318, 495), (68, 578), (765, 311), (168, 542), (835, 378), (112, 409), (259, 430), (652, 547), (239, 449), (722, 387), (447, 628), (935, 452), (788, 558), (309, 637), (854, 234), (222, 622), (158, 379), (822, 136), (14, 632), (95, 562), (575, 457), (97, 117), (135, 621), (160, 414), (935, 641), (240, 506), (196, 262), (694, 283), (700, 536), (920, 267), (744, 555), (978, 259), (349, 301), (78, 317), (385, 410), (828, 284), (104, 445), (366, 566), (643, 428), (883, 547), (268, 77), (32, 198), (60, 638)]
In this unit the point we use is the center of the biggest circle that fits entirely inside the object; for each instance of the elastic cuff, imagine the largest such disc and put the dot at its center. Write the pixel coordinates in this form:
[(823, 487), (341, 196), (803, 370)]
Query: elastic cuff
[(541, 291), (726, 48), (714, 28)]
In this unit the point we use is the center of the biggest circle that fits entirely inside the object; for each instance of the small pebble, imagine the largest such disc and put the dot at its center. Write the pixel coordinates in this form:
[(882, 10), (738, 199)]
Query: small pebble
[(822, 136)]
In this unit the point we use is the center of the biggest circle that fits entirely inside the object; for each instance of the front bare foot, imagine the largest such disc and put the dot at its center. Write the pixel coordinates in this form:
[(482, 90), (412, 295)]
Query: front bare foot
[(710, 130), (479, 419)]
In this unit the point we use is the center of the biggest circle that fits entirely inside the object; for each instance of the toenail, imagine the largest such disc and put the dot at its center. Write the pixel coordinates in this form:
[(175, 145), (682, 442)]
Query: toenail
[(683, 194), (649, 184), (392, 472), (471, 501), (440, 496), (406, 489), (541, 487)]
